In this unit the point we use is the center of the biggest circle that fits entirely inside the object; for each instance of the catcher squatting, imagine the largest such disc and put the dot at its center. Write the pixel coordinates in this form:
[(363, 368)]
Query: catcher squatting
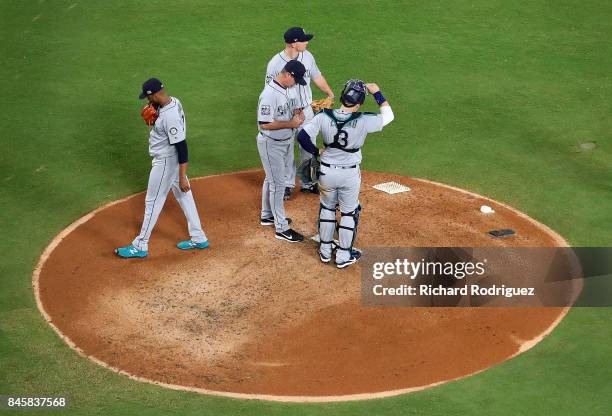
[(285, 112)]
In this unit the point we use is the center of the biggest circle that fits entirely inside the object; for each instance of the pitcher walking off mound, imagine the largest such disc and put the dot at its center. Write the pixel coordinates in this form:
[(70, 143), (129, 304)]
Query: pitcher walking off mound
[(167, 145)]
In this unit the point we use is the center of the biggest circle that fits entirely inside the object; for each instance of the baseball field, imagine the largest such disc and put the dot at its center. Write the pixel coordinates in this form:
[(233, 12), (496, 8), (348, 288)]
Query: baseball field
[(510, 101)]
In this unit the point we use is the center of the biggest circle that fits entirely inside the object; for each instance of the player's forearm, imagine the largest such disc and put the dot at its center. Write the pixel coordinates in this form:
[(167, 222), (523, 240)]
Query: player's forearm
[(321, 82), (385, 109), (380, 99), (183, 158), (183, 169), (306, 143), (387, 114)]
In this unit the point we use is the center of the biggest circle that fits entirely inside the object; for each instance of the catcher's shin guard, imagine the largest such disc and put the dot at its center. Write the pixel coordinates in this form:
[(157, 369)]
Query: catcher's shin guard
[(327, 226), (347, 230)]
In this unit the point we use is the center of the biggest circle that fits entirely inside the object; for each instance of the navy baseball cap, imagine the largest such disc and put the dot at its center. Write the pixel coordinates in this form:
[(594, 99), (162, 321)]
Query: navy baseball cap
[(297, 34), (297, 71), (150, 87)]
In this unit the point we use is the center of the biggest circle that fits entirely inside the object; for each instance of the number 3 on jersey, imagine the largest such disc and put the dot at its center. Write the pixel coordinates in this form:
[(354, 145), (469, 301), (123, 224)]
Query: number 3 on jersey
[(341, 138)]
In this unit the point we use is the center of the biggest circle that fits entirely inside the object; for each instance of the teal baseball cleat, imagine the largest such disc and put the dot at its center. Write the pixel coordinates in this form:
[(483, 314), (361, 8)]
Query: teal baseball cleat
[(189, 244), (130, 252)]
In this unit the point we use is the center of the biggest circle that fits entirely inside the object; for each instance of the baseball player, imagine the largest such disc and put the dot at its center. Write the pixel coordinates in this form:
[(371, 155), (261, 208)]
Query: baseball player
[(296, 42), (344, 132), (168, 147), (278, 115)]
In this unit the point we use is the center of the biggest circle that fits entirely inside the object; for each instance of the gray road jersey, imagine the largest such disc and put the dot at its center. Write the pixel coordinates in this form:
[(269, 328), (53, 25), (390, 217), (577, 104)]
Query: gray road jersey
[(169, 128), (356, 130), (276, 103), (303, 92)]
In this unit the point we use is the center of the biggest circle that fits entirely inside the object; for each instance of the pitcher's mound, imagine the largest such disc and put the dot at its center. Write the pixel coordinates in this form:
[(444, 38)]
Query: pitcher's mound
[(253, 316)]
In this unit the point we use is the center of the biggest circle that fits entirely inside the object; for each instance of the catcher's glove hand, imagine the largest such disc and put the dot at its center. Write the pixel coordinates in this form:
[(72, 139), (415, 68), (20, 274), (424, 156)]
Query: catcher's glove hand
[(309, 170), (149, 114), (318, 105)]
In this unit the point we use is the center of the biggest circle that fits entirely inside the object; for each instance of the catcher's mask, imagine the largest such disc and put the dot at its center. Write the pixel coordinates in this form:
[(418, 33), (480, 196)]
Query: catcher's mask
[(354, 93)]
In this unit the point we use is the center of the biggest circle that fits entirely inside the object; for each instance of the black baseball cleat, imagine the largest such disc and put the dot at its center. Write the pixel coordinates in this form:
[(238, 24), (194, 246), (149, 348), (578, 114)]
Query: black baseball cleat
[(290, 235), (314, 189), (288, 192), (270, 221), (355, 255)]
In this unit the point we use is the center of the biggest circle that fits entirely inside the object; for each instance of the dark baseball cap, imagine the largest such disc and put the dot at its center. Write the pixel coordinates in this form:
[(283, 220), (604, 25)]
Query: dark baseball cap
[(297, 34), (150, 87), (297, 71)]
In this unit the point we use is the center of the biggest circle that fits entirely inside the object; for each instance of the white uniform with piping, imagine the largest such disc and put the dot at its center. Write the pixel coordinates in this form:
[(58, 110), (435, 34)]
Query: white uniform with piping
[(169, 128), (274, 146), (340, 177)]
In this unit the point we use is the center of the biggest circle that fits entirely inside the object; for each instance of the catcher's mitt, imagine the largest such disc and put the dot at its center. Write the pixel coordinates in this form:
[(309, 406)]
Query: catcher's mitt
[(318, 105), (149, 114), (309, 170)]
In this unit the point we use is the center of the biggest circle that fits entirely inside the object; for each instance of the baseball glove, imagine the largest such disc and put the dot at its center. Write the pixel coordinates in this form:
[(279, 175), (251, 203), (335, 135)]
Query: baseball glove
[(309, 170), (318, 105), (149, 114)]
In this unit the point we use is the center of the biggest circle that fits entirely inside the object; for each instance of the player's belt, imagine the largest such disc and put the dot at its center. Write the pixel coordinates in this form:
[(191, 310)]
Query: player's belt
[(327, 165), (272, 138)]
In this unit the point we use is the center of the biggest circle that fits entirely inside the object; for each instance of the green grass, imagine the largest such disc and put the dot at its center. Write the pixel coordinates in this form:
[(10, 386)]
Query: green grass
[(491, 96)]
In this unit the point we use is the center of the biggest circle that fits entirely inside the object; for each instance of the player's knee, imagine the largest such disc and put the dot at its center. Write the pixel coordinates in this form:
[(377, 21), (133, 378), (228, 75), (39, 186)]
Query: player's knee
[(327, 212), (351, 216)]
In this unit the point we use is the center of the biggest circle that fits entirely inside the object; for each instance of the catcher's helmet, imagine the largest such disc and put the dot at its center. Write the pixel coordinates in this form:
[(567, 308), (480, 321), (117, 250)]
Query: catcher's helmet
[(354, 93)]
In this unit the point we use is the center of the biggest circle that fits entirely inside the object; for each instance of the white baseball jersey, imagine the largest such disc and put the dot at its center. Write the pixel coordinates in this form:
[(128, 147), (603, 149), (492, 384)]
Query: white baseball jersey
[(276, 103), (304, 92), (169, 128), (355, 132)]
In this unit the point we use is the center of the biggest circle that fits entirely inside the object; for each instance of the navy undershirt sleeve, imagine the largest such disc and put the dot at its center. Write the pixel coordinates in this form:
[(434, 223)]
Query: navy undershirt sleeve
[(305, 142), (181, 149)]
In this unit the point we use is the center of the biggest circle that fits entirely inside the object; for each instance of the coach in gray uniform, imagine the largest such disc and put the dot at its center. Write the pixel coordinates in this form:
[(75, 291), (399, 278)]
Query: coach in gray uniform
[(296, 42), (278, 115)]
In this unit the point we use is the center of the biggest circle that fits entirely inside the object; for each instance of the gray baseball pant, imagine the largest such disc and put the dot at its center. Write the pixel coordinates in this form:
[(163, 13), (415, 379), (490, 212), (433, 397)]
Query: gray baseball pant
[(338, 188), (274, 155)]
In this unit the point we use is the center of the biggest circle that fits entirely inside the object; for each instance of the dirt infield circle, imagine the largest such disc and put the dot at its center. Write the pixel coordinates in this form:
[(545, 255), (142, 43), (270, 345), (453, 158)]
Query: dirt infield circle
[(254, 317)]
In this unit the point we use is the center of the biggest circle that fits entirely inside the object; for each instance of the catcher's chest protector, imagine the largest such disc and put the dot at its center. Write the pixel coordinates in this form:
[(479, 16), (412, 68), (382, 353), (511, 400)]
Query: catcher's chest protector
[(341, 138)]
